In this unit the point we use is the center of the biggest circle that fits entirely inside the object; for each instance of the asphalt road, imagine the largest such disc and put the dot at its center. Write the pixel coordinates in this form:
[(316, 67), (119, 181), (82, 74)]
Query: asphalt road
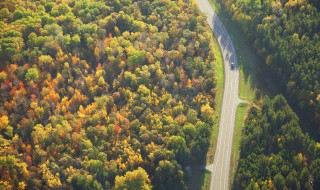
[(221, 166)]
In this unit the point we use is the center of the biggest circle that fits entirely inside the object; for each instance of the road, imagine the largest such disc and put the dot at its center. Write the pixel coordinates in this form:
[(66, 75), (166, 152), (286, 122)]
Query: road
[(221, 166)]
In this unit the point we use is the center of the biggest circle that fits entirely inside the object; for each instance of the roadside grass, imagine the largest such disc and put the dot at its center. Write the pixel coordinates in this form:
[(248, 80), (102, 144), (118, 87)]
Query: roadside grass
[(219, 95), (200, 180), (237, 134), (247, 58), (207, 180)]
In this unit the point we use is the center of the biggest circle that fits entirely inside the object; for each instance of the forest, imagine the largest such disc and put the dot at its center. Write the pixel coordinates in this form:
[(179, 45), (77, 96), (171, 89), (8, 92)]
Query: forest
[(275, 153), (98, 94), (286, 34)]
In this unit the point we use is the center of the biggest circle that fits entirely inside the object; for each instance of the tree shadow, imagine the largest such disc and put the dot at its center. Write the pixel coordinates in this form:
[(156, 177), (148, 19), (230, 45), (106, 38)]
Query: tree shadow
[(198, 180)]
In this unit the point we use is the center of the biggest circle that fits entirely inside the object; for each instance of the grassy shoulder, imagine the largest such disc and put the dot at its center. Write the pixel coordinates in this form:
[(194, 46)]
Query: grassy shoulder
[(207, 180), (240, 115), (219, 96), (247, 58)]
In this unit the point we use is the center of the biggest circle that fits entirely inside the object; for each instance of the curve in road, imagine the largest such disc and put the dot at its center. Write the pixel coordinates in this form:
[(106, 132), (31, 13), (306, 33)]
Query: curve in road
[(221, 166)]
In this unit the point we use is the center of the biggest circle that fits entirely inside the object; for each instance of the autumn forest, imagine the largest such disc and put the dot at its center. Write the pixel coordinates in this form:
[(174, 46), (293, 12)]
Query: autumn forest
[(122, 94), (103, 94)]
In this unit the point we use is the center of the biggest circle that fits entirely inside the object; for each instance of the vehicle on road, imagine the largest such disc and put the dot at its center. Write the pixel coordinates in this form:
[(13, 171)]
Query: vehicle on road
[(232, 65)]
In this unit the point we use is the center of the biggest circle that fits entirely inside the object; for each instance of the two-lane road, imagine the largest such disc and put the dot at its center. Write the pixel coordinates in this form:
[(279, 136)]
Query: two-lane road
[(221, 166)]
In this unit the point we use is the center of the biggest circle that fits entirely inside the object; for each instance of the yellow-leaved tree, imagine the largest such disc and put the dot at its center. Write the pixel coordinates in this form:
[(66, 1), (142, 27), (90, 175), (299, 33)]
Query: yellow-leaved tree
[(135, 180), (4, 122)]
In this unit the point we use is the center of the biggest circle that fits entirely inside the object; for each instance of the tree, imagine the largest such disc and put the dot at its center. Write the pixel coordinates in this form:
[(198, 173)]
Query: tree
[(168, 176), (178, 145), (189, 132), (304, 177), (19, 13), (292, 181), (135, 180), (46, 62), (279, 181), (32, 74), (316, 173), (207, 113), (192, 116), (52, 181), (84, 182), (123, 21), (3, 75), (4, 122), (54, 29), (136, 58), (5, 13)]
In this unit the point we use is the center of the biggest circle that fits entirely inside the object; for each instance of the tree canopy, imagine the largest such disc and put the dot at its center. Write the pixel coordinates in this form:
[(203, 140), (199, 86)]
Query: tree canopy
[(275, 153), (96, 94)]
